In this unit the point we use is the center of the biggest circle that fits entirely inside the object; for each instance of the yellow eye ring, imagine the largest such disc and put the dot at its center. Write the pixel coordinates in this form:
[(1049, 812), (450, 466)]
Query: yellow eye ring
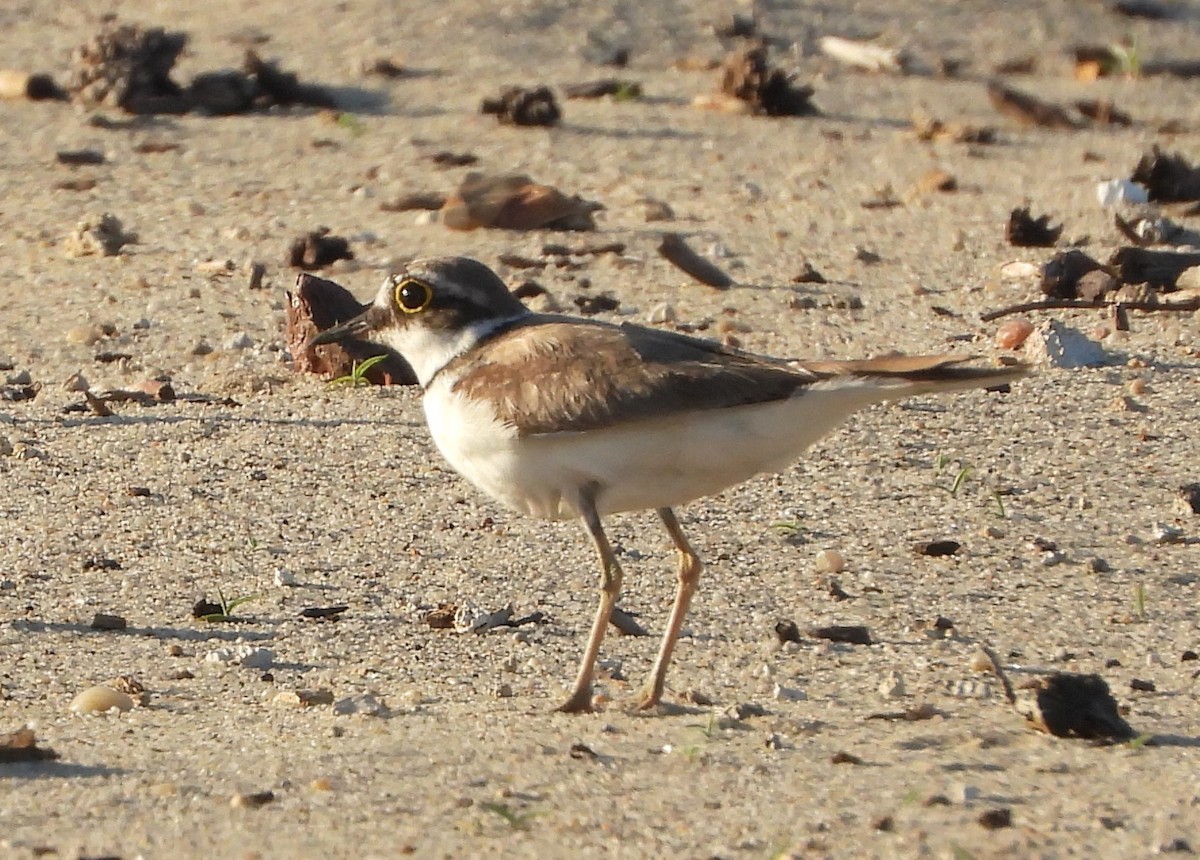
[(413, 296)]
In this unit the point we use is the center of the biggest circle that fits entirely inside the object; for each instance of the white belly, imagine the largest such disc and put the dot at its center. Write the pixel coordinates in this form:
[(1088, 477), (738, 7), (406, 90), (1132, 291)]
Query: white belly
[(650, 464)]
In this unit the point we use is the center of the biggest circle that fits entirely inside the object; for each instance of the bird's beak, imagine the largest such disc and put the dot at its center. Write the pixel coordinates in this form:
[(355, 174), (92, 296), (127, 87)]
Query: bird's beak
[(360, 327)]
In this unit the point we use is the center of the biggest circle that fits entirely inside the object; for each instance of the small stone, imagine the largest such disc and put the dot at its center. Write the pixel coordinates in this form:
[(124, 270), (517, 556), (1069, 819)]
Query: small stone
[(656, 210), (892, 686), (102, 621), (174, 650), (284, 578), (366, 704), (1142, 686), (830, 561), (100, 699), (237, 341), (503, 690), (1056, 344), (242, 655), (661, 313), (995, 819), (1165, 533), (254, 800), (1013, 334), (789, 694), (76, 382), (84, 335), (843, 757), (97, 236), (981, 661), (321, 783), (967, 793)]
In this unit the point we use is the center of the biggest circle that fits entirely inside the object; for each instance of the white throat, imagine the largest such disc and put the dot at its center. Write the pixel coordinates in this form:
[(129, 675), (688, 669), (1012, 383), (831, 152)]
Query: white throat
[(428, 350)]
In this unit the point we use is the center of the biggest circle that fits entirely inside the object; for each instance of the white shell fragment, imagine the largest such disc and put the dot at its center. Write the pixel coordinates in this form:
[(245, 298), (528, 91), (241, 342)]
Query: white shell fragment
[(1113, 192), (862, 55), (99, 700), (242, 655), (1056, 344)]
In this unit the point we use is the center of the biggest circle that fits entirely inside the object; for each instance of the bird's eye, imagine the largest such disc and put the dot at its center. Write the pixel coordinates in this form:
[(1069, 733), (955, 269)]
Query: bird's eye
[(413, 296)]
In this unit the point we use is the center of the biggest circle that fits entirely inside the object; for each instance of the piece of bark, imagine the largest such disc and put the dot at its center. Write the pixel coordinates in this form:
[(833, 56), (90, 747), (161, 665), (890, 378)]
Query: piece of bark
[(318, 249), (1061, 274), (1159, 269), (514, 202), (315, 305), (524, 106), (1167, 178), (676, 251), (854, 634), (428, 201), (1025, 231), (1028, 110), (1071, 705)]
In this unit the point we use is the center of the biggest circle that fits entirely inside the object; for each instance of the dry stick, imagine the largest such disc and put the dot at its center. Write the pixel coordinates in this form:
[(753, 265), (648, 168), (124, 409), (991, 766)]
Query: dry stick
[(999, 670), (677, 252), (1052, 304)]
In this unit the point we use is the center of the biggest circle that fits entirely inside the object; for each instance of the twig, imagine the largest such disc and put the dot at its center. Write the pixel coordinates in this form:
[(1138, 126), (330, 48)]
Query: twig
[(1053, 304), (999, 670)]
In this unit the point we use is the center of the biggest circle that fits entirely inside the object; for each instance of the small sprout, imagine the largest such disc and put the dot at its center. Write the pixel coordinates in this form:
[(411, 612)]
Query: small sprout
[(228, 607), (1128, 57), (1139, 601), (960, 479), (627, 91), (358, 373), (999, 497), (352, 124), (515, 820)]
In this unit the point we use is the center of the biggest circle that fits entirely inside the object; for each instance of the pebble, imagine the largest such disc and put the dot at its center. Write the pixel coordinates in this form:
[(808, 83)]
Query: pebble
[(366, 704), (252, 801), (99, 700), (76, 382), (84, 335), (284, 577), (830, 561), (981, 662), (1056, 344), (789, 694), (321, 783), (1013, 334), (242, 655), (892, 686), (661, 313), (240, 340)]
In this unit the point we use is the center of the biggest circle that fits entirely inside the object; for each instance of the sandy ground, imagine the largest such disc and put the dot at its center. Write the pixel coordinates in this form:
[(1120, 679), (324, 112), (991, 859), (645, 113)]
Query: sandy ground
[(455, 751)]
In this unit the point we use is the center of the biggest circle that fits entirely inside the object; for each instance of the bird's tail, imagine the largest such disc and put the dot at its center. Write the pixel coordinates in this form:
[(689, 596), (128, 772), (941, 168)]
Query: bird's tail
[(910, 375)]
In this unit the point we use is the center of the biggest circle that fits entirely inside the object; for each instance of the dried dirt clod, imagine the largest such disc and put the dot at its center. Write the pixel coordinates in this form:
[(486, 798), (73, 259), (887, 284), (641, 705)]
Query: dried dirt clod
[(995, 819), (524, 106), (318, 249), (675, 250), (747, 77), (853, 634), (1025, 231), (1190, 495), (514, 202), (21, 745), (1061, 274), (441, 618), (129, 67), (1072, 705), (1141, 685), (98, 236), (843, 757), (1028, 110), (787, 631), (1167, 178)]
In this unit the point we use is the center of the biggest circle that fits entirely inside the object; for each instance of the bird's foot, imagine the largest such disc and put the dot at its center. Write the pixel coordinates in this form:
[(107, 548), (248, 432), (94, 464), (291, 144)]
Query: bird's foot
[(580, 702)]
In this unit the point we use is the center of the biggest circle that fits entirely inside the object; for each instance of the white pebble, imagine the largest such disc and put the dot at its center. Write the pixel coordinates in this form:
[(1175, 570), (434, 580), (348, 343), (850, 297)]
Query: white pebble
[(242, 655), (892, 686), (241, 340), (788, 694), (284, 577)]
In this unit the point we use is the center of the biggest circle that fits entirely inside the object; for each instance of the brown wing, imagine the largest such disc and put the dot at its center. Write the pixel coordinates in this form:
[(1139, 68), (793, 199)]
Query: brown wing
[(552, 375)]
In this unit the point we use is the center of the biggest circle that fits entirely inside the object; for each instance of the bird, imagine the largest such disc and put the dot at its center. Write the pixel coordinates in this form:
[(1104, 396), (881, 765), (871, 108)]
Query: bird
[(561, 417)]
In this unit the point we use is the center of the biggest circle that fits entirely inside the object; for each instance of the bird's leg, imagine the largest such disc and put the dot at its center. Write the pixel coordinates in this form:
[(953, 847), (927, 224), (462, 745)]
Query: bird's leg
[(689, 578), (580, 700)]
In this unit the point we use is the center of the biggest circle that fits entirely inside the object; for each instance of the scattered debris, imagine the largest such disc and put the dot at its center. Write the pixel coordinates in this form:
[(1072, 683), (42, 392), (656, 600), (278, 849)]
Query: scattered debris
[(863, 55), (21, 745), (1025, 231), (102, 236), (520, 106), (317, 304), (514, 202), (853, 634), (675, 250), (749, 85), (1072, 705), (317, 249), (1028, 110)]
